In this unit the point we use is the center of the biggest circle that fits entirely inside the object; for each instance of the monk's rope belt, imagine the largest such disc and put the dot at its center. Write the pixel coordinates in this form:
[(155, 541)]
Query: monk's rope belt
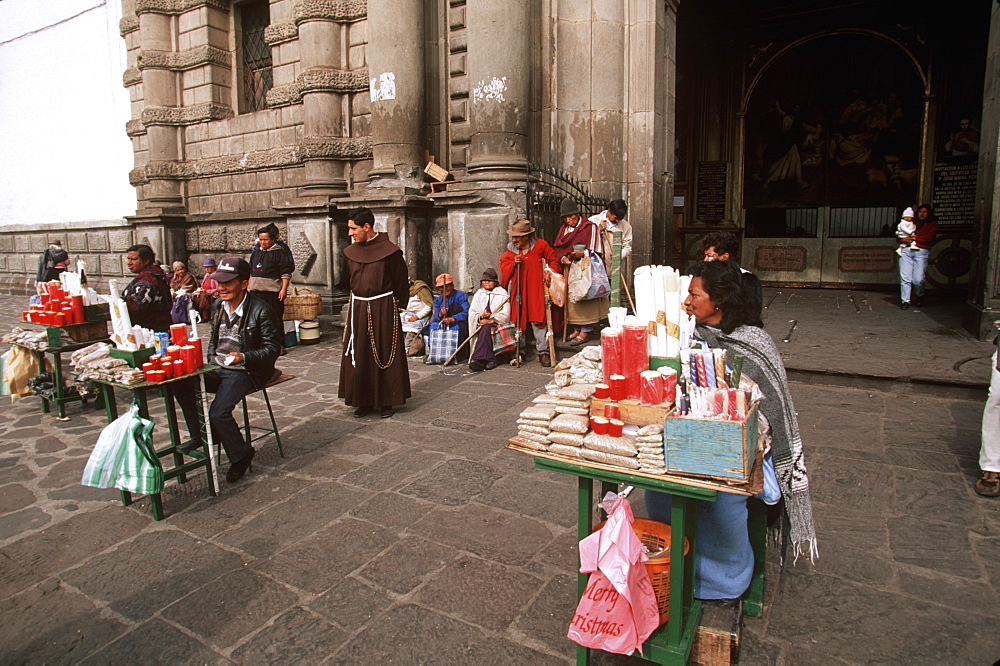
[(371, 332)]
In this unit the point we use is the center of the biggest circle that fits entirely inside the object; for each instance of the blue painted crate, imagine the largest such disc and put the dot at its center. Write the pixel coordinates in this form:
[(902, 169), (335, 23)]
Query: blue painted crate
[(717, 449)]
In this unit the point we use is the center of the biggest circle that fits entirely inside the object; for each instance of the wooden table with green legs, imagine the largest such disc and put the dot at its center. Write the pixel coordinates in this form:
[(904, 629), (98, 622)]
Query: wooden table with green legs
[(672, 642), (205, 458)]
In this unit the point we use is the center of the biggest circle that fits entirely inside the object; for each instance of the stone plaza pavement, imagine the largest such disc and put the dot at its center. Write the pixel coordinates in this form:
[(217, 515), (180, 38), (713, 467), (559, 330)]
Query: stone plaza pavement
[(420, 539)]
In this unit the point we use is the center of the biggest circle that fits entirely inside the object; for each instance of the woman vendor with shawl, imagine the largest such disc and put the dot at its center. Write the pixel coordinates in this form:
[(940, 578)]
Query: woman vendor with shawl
[(724, 562), (490, 305), (416, 316), (578, 230)]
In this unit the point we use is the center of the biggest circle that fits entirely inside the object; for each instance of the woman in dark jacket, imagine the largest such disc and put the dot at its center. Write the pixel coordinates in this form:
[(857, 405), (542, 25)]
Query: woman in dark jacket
[(270, 272)]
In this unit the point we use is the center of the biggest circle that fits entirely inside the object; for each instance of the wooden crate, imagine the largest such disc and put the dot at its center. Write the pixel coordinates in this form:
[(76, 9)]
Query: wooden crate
[(632, 412), (99, 312), (717, 641), (716, 449)]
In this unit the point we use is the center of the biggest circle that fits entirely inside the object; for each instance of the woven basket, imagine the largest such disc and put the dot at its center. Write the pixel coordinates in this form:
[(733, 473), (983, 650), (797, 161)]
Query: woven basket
[(655, 536), (303, 305)]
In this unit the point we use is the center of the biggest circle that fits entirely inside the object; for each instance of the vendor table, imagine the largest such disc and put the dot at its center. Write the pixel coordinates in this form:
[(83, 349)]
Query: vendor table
[(672, 642), (60, 396), (205, 458)]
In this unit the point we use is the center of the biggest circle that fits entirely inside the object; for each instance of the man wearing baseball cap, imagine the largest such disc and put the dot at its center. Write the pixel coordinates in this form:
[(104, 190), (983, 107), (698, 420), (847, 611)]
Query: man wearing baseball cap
[(244, 343)]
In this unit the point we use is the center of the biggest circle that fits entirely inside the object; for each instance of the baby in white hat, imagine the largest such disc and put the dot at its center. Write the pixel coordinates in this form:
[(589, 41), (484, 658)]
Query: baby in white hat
[(906, 228)]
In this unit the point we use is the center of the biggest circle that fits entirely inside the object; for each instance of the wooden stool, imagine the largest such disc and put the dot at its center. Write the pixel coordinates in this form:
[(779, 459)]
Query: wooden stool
[(273, 430)]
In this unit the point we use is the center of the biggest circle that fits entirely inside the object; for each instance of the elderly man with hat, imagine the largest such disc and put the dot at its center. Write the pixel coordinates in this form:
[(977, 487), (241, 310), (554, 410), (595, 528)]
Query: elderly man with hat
[(577, 236), (244, 343), (451, 307), (525, 271), (490, 305)]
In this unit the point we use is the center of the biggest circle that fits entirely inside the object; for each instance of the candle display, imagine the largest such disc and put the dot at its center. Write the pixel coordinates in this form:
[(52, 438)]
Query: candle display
[(669, 384), (611, 411), (178, 334), (602, 391), (599, 425), (615, 427), (619, 390)]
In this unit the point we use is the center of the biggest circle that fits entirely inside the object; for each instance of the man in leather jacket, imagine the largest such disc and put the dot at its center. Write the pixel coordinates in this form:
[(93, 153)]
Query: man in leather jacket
[(244, 343)]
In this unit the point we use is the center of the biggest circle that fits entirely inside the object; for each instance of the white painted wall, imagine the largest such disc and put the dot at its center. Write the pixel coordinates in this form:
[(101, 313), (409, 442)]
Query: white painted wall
[(64, 154)]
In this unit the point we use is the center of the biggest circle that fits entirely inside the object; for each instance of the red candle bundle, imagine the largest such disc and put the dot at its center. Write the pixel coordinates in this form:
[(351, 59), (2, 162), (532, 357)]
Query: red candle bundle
[(615, 427), (178, 367), (173, 352), (602, 391), (178, 334), (611, 411), (699, 362), (599, 425), (155, 361), (190, 362), (70, 316), (611, 351), (79, 315), (635, 357), (734, 414), (669, 384), (619, 389), (167, 369), (651, 387), (199, 355)]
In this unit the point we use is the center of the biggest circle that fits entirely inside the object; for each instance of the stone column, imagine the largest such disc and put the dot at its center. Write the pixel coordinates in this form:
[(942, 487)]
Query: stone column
[(395, 57), (159, 88), (984, 287), (499, 81), (320, 44)]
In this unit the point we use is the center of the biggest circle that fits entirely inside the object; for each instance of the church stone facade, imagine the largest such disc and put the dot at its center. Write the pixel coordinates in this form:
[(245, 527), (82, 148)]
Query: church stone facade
[(801, 129)]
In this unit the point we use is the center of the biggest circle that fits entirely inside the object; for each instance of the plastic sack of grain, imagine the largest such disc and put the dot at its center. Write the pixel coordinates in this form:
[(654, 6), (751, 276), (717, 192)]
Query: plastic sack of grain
[(563, 450), (538, 430), (579, 411), (570, 423), (650, 430), (566, 438), (622, 446), (534, 422), (546, 399), (575, 392), (539, 412), (564, 402), (650, 439), (609, 459)]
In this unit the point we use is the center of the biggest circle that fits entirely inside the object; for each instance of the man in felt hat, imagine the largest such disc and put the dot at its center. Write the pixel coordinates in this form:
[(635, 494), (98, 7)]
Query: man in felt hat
[(525, 271), (490, 306), (244, 343), (577, 237), (373, 371), (450, 309)]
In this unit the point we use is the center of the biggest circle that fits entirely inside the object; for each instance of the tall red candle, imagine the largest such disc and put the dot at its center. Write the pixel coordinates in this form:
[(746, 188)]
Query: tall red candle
[(188, 357), (635, 357), (199, 355), (619, 389), (611, 352), (178, 367), (178, 334), (79, 314), (669, 384)]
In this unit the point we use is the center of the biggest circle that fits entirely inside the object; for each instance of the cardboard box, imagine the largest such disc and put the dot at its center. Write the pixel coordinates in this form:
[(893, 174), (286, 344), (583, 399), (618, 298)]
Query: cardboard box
[(716, 449)]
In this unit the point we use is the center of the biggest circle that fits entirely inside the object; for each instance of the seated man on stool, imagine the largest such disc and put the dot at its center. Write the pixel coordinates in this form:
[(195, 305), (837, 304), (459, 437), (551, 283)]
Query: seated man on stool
[(245, 343)]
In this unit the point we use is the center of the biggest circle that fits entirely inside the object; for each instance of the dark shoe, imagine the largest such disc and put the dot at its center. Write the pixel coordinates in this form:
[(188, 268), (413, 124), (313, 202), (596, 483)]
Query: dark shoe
[(363, 411), (189, 446), (490, 365), (477, 366), (918, 302), (238, 469), (904, 306), (386, 412), (988, 484), (544, 359)]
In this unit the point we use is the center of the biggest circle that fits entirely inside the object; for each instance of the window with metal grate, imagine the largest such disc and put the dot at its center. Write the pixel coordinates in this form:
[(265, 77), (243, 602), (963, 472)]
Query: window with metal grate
[(256, 72)]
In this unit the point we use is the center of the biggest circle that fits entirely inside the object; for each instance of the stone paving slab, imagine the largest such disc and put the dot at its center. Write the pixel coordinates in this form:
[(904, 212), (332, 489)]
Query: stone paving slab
[(421, 539)]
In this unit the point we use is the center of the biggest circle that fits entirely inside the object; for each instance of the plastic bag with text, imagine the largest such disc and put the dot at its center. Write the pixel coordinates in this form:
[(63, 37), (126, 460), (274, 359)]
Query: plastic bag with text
[(618, 610)]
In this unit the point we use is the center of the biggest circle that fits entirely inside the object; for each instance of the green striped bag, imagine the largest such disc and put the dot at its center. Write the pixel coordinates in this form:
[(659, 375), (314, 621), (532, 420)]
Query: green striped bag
[(105, 460), (140, 470)]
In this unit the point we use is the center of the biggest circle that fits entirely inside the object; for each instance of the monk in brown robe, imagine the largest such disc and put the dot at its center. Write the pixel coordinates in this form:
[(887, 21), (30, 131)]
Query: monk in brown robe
[(373, 371)]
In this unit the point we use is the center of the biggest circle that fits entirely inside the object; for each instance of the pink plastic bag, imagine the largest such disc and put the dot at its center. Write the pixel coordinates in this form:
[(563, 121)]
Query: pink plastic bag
[(618, 610)]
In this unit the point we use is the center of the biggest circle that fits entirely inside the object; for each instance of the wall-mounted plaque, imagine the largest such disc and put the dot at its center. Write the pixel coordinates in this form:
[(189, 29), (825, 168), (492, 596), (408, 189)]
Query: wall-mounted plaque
[(866, 259), (781, 259), (954, 193), (712, 185)]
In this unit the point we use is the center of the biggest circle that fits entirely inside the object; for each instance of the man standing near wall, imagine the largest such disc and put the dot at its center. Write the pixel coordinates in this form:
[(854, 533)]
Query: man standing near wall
[(148, 295), (373, 371)]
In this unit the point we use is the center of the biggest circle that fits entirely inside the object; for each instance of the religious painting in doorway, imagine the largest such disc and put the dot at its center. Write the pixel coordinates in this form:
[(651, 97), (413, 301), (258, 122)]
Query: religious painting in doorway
[(835, 122)]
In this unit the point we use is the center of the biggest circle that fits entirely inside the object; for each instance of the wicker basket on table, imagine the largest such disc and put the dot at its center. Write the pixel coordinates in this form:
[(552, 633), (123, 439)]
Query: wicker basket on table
[(302, 305), (655, 536)]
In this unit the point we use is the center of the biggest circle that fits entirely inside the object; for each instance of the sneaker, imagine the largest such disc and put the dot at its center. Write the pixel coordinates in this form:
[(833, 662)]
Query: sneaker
[(988, 484)]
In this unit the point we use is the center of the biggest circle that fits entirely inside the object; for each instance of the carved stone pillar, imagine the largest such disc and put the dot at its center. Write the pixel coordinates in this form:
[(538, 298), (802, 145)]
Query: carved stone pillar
[(320, 44), (499, 79), (159, 86), (396, 73)]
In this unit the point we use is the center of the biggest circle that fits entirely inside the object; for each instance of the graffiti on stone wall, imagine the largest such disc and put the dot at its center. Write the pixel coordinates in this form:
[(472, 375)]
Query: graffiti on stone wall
[(490, 90)]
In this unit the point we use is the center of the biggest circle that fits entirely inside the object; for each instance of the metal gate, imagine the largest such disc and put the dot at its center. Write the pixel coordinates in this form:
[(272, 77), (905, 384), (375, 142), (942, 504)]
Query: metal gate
[(546, 188)]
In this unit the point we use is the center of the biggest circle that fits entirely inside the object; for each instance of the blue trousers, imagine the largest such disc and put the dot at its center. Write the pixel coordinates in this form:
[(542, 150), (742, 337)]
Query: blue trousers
[(229, 386), (912, 269), (723, 563)]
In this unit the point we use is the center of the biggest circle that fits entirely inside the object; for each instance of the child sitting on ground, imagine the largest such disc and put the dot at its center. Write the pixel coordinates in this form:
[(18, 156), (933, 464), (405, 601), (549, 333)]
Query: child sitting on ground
[(906, 228)]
